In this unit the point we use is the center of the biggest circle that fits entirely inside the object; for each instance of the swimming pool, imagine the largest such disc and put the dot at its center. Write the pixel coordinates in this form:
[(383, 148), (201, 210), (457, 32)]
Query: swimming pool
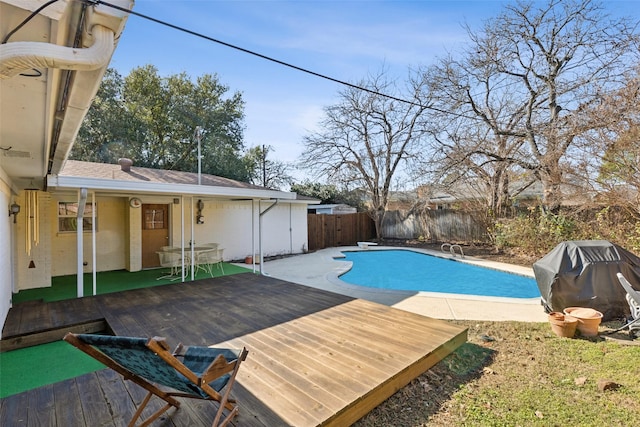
[(413, 271)]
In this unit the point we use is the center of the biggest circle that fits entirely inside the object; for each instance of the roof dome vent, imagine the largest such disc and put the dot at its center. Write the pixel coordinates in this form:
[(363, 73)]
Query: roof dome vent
[(125, 164)]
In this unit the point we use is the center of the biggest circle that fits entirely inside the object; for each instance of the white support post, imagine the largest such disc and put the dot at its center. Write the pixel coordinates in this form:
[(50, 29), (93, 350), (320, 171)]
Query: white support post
[(93, 242), (82, 200)]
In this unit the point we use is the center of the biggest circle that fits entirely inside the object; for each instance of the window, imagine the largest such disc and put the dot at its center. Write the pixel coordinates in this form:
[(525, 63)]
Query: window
[(154, 217), (68, 217)]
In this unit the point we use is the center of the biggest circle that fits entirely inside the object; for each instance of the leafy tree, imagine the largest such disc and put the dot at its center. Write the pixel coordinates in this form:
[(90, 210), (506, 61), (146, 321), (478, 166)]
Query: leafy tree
[(153, 120), (366, 139), (267, 172), (105, 129), (527, 78)]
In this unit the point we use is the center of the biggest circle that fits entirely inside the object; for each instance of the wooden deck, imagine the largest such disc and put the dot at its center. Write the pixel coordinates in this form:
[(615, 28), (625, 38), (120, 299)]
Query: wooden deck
[(315, 357)]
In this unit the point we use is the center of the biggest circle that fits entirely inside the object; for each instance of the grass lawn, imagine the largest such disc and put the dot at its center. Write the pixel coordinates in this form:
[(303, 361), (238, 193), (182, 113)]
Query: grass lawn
[(521, 374)]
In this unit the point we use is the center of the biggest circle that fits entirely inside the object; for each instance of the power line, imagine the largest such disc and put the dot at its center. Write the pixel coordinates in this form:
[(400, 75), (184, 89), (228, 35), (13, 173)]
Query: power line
[(271, 59), (27, 19)]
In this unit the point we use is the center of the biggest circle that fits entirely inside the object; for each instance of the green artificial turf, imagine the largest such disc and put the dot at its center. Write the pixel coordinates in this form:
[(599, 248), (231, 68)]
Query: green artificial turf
[(32, 367), (64, 287)]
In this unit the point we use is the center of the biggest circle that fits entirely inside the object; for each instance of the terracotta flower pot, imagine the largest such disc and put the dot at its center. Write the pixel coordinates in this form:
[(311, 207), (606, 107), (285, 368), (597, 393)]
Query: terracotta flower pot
[(561, 325), (588, 319)]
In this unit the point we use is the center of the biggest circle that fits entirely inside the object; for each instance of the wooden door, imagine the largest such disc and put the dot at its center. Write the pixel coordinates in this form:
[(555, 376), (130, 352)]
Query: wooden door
[(155, 233)]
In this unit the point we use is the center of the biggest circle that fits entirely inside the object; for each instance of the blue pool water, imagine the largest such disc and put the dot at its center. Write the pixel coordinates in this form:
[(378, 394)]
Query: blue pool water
[(413, 271)]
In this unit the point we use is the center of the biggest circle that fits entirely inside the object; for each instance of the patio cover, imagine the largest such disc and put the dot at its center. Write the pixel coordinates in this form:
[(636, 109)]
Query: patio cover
[(583, 274)]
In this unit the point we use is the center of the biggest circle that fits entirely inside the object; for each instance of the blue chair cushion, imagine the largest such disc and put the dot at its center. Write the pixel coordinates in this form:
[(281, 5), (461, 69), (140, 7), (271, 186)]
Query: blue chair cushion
[(133, 354)]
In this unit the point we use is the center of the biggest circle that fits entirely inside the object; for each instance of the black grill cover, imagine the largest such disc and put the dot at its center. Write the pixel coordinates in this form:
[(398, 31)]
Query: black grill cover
[(583, 274)]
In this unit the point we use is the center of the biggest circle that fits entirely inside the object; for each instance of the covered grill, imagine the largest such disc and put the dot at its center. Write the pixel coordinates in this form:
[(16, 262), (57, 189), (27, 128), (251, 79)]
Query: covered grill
[(583, 274)]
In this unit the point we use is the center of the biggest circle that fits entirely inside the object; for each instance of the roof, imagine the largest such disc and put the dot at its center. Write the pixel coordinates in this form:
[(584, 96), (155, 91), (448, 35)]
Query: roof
[(109, 171), (112, 178), (308, 199), (333, 206)]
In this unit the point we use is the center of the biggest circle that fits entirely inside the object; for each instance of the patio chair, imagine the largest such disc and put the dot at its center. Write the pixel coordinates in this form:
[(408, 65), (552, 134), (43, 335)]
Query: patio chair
[(208, 259), (173, 261), (191, 372), (633, 298)]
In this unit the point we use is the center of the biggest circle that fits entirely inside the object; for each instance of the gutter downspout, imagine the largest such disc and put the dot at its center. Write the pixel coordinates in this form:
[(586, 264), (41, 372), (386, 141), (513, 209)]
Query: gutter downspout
[(260, 233), (18, 57), (82, 201)]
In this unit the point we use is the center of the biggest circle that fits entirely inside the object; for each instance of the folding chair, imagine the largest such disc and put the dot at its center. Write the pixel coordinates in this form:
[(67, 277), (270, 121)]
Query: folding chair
[(633, 298), (192, 372)]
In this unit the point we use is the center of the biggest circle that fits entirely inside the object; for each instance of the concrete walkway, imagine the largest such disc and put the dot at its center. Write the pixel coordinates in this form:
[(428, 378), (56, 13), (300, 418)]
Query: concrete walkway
[(320, 270)]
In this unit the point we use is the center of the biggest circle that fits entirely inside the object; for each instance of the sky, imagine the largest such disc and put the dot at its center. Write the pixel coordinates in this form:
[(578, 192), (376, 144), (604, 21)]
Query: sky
[(344, 39)]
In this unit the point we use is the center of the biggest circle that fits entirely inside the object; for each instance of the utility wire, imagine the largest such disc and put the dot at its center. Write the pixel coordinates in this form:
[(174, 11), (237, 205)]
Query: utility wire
[(271, 59), (27, 19)]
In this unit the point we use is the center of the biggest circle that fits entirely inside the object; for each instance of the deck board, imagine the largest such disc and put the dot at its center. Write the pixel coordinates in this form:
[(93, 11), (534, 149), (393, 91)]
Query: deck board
[(315, 357)]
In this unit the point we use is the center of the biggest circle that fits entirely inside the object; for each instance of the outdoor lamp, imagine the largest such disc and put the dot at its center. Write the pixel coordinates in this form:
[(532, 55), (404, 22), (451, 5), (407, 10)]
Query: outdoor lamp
[(14, 210), (199, 217)]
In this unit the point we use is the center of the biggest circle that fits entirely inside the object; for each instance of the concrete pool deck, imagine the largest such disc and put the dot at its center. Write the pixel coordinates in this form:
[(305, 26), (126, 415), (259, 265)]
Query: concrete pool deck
[(320, 270)]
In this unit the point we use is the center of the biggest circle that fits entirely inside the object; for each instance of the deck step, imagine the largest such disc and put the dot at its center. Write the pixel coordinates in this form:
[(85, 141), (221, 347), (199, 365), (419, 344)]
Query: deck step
[(16, 342)]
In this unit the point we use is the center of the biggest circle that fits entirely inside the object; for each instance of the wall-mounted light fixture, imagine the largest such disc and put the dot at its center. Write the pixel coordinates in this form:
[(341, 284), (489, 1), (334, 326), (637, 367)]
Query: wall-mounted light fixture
[(199, 217), (14, 210)]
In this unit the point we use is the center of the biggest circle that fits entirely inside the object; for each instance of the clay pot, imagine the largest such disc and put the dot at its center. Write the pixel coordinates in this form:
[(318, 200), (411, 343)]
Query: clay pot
[(248, 260), (588, 319), (561, 325)]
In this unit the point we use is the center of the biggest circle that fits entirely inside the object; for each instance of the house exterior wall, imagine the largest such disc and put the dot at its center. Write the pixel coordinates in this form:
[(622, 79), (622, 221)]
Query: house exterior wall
[(111, 238), (6, 250), (326, 211), (227, 223), (232, 223), (285, 230)]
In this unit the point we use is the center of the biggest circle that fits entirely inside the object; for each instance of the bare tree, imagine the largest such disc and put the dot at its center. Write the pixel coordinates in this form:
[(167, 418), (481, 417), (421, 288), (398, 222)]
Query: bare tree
[(267, 172), (367, 139), (521, 89), (612, 160)]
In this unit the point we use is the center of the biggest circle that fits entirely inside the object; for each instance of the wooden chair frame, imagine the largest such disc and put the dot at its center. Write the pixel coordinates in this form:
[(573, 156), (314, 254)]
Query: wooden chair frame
[(219, 367)]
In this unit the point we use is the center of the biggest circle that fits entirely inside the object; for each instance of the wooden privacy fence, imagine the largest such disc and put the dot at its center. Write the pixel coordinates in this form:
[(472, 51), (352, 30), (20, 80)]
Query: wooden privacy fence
[(434, 225), (326, 231)]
